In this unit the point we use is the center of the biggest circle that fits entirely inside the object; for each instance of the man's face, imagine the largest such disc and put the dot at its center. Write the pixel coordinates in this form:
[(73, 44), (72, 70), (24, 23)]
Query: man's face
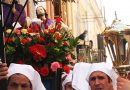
[(100, 81), (19, 82)]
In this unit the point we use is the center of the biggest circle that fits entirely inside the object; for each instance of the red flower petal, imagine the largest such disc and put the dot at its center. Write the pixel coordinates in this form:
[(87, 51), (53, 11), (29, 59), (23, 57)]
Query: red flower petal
[(66, 69), (38, 51), (44, 71)]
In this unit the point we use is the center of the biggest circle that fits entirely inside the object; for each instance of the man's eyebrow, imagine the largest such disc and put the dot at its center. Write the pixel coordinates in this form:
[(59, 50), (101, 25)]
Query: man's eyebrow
[(93, 77), (96, 76), (13, 83)]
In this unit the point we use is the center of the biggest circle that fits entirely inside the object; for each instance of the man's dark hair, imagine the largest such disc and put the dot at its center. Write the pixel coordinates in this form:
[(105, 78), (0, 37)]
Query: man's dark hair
[(109, 79)]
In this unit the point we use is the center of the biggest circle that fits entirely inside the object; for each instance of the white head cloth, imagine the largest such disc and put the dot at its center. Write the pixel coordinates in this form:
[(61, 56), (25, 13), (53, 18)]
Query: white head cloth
[(68, 78), (29, 72), (107, 69), (80, 72)]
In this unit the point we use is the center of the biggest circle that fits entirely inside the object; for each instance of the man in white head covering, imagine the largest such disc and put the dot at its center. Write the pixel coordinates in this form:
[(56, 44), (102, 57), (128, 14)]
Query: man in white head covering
[(67, 82), (23, 77), (101, 76), (27, 71), (80, 72)]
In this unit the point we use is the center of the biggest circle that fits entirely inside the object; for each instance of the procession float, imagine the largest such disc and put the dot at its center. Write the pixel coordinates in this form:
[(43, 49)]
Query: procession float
[(117, 42)]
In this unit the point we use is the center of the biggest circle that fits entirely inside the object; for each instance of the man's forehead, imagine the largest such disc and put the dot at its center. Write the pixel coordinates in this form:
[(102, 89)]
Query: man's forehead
[(98, 73), (19, 80), (19, 76)]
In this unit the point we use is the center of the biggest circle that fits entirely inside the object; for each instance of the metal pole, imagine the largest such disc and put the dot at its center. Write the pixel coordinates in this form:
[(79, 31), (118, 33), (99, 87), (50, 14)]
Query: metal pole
[(100, 47), (2, 51), (3, 83)]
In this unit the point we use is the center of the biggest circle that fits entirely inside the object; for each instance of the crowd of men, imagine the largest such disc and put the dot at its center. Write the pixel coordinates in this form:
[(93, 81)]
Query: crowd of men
[(95, 76), (84, 76)]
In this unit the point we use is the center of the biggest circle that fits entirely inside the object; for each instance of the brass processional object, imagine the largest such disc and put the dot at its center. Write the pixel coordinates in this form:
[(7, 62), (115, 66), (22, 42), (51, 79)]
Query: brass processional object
[(118, 45)]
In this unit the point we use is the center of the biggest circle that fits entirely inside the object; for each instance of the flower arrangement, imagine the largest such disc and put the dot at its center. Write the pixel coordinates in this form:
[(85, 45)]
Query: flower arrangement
[(46, 50)]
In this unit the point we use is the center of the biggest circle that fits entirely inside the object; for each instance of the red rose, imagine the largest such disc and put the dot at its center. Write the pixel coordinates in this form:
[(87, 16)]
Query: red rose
[(30, 30), (66, 69), (18, 32), (8, 40), (38, 51), (55, 65), (35, 27), (24, 41), (58, 19), (40, 39), (44, 71)]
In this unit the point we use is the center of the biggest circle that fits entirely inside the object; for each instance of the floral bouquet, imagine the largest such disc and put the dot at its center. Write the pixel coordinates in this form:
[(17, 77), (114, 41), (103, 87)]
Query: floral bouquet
[(46, 50)]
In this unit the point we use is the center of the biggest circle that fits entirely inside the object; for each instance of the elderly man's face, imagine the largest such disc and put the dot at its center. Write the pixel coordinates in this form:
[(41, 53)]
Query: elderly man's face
[(19, 82), (100, 81)]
